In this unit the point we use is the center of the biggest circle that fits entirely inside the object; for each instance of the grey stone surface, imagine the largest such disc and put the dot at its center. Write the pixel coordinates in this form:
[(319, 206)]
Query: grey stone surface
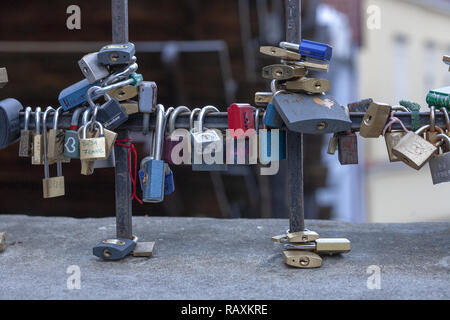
[(198, 258)]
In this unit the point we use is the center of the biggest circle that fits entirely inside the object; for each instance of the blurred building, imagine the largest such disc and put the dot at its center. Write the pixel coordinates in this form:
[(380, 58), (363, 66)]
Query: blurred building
[(402, 59)]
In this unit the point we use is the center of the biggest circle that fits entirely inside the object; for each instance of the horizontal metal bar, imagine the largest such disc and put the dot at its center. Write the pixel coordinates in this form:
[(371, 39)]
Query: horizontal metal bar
[(219, 120), (92, 46)]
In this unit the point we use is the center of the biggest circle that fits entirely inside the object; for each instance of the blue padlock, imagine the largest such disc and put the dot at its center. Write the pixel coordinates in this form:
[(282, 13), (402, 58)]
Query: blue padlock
[(265, 145), (114, 249), (311, 49), (75, 95), (152, 172), (271, 117), (169, 184)]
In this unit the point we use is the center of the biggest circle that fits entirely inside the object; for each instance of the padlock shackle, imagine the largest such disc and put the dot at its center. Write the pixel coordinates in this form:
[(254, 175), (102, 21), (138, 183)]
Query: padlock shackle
[(56, 117), (86, 115), (201, 117), (159, 132), (27, 118), (192, 117), (447, 118), (445, 138), (122, 74), (37, 120), (167, 115), (76, 118), (173, 117), (257, 112), (44, 133), (432, 118), (91, 125)]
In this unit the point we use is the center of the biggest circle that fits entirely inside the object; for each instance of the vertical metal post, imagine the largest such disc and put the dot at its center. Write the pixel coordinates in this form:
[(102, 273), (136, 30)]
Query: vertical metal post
[(294, 139), (124, 209)]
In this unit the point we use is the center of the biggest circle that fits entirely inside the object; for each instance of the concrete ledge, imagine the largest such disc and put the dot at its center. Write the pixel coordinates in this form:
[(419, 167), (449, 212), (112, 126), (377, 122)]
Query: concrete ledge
[(198, 258)]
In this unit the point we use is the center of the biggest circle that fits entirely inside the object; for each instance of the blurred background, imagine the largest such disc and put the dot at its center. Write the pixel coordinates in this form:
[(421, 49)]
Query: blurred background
[(203, 52)]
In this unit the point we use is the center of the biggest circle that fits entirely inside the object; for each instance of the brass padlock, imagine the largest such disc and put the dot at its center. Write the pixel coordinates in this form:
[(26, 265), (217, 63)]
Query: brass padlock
[(37, 154), (55, 144), (323, 245), (283, 72), (392, 138), (130, 106), (92, 148), (110, 140), (310, 85), (296, 237), (123, 93), (26, 136), (414, 150), (279, 53), (302, 259), (52, 186), (374, 120), (308, 65), (262, 99)]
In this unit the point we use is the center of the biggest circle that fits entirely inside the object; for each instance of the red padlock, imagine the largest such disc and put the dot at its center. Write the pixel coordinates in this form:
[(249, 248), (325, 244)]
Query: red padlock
[(240, 116)]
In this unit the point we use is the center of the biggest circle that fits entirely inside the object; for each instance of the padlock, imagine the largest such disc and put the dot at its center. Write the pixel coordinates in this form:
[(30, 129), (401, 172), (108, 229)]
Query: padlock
[(374, 120), (116, 53), (279, 53), (111, 115), (3, 77), (207, 145), (110, 161), (348, 148), (76, 95), (297, 237), (393, 137), (152, 171), (440, 163), (323, 245), (309, 85), (92, 69), (440, 98), (37, 153), (302, 259), (262, 99), (124, 93), (414, 150), (147, 96), (9, 122), (272, 145), (311, 114), (52, 187), (310, 49), (360, 106), (130, 106), (114, 249), (241, 135), (71, 141), (272, 118), (55, 144), (177, 142), (144, 249), (148, 91), (26, 136), (169, 183), (283, 72), (309, 65), (92, 148), (241, 118)]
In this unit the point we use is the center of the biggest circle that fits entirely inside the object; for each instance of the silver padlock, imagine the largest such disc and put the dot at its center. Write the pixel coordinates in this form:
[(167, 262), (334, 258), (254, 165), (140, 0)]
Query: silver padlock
[(92, 69)]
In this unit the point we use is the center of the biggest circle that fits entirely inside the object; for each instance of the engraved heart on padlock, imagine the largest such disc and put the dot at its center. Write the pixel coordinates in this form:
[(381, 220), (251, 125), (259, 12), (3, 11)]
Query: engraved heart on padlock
[(70, 147)]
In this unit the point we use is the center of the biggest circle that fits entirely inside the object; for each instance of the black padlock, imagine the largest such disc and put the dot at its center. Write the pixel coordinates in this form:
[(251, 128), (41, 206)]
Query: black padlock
[(114, 249), (111, 114), (9, 122)]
